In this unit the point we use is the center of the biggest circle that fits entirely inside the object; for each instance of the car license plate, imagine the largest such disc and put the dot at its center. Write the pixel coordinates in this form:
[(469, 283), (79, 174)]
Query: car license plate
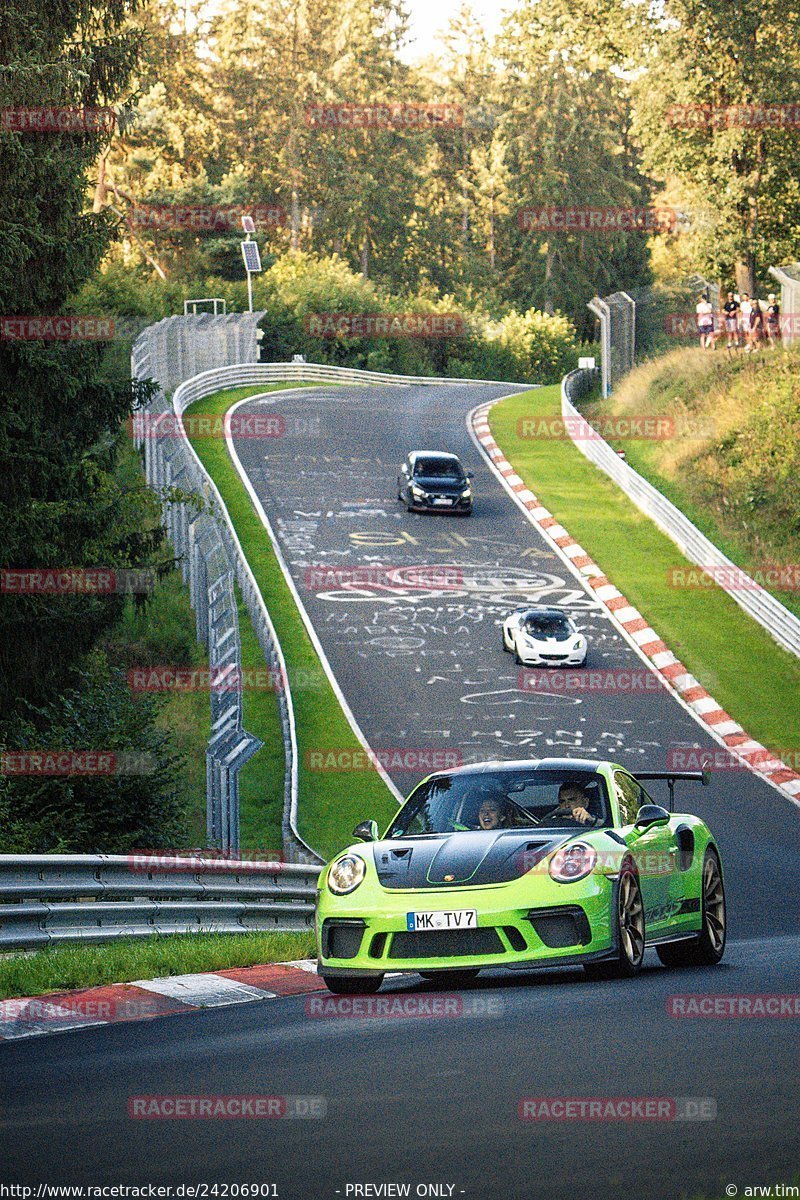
[(464, 918), (441, 500)]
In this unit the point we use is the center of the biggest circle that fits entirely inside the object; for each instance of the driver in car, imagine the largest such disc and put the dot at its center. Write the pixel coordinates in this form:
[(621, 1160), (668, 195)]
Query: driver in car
[(573, 805)]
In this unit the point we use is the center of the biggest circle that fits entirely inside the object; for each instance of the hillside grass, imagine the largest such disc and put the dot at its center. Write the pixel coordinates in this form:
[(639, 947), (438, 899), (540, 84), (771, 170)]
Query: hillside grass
[(734, 462)]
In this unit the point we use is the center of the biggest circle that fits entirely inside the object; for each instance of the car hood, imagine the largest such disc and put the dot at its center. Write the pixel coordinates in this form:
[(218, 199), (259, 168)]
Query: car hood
[(433, 484), (470, 858)]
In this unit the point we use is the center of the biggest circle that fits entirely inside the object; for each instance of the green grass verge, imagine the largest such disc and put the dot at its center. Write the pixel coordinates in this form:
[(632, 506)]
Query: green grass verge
[(261, 779), (330, 803), (732, 656), (62, 968)]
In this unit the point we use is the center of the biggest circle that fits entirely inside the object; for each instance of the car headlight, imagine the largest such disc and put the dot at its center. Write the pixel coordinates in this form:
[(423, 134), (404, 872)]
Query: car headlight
[(417, 492), (573, 862), (346, 874), (467, 492)]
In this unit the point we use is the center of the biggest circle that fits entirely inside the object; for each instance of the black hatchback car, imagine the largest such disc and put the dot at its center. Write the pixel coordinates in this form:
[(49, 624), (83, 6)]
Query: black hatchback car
[(433, 481)]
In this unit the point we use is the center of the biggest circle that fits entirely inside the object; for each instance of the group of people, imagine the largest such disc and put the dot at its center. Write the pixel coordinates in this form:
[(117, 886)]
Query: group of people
[(747, 322)]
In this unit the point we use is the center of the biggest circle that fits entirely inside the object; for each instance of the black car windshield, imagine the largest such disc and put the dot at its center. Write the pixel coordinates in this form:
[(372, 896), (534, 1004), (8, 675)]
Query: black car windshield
[(438, 468), (547, 625), (505, 799)]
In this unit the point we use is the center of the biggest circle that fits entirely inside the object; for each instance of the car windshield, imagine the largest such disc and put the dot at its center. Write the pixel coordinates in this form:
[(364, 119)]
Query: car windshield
[(504, 799), (543, 625), (438, 468)]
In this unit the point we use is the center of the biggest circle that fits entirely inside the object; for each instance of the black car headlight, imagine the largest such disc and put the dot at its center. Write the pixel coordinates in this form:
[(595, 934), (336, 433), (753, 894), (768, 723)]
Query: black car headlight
[(573, 862), (346, 874)]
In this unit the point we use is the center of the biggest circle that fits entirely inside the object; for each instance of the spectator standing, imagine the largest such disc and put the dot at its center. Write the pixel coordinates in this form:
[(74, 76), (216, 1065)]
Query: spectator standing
[(756, 324), (705, 323), (773, 320), (745, 309), (730, 311)]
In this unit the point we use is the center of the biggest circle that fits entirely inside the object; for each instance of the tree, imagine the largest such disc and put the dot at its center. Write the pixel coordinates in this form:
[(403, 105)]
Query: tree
[(60, 503), (706, 71)]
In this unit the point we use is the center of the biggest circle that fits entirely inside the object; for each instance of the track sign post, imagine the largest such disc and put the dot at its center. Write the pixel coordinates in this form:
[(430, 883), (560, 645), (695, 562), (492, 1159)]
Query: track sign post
[(251, 256)]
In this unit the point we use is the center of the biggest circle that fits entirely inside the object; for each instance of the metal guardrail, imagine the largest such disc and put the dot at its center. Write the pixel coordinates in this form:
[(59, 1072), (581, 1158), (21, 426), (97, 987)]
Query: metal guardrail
[(781, 624), (47, 899)]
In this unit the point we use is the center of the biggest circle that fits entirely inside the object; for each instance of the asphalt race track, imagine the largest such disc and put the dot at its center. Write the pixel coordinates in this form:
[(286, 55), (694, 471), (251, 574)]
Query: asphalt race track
[(435, 1100)]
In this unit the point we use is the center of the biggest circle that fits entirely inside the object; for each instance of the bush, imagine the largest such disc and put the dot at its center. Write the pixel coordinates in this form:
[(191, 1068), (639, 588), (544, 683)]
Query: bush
[(134, 806)]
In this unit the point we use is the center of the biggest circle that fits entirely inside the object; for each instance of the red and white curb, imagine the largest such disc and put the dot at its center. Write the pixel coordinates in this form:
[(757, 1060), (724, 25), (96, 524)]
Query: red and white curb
[(143, 999), (634, 627)]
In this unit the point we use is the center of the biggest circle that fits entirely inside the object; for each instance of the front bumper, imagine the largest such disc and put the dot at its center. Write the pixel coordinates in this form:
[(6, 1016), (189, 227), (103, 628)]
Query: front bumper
[(520, 924), (459, 504), (531, 657)]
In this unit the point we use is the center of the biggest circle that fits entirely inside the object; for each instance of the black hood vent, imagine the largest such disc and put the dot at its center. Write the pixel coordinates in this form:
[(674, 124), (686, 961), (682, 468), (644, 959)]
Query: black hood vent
[(461, 859)]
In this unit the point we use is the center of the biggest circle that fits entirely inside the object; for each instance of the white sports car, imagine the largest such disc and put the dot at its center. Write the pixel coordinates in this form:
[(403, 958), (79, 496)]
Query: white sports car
[(544, 637)]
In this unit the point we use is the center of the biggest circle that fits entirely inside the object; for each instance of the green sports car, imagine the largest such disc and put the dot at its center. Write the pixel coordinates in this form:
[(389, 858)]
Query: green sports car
[(523, 864)]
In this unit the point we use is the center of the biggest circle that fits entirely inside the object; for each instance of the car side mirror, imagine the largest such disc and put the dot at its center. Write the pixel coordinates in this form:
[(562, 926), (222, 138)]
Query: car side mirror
[(404, 469), (650, 815), (470, 474), (367, 831)]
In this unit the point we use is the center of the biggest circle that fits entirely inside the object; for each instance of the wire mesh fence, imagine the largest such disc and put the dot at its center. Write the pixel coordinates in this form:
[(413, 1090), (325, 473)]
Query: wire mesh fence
[(167, 353)]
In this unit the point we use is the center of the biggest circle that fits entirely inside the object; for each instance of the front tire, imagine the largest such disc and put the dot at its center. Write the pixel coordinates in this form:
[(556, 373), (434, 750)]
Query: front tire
[(707, 949), (630, 931), (351, 985)]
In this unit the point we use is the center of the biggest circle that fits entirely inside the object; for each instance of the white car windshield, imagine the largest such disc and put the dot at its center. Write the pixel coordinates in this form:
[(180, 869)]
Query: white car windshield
[(504, 799), (546, 625)]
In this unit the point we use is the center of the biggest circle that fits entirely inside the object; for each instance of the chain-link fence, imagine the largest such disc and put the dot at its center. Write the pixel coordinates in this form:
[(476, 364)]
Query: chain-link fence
[(617, 316), (789, 279), (649, 321), (169, 352)]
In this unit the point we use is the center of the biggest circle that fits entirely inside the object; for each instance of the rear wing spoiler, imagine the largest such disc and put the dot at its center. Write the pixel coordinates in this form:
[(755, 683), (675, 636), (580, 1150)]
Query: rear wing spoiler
[(671, 777)]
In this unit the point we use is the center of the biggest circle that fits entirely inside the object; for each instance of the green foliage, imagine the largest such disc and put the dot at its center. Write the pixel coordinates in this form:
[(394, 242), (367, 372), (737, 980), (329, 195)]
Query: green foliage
[(135, 804)]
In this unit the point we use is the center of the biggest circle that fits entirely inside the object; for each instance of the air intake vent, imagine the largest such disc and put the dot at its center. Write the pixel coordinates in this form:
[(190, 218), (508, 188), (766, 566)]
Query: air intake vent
[(451, 943)]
